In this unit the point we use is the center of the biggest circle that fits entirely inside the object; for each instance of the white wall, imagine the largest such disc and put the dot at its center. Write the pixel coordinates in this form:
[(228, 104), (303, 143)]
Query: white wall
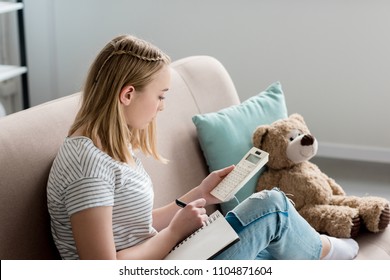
[(332, 57)]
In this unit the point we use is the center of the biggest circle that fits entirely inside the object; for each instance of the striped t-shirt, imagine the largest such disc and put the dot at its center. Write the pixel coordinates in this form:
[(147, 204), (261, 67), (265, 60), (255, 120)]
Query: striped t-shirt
[(81, 177)]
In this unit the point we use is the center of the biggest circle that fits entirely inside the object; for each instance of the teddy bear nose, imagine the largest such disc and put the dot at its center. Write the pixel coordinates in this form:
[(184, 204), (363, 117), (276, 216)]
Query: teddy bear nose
[(307, 140)]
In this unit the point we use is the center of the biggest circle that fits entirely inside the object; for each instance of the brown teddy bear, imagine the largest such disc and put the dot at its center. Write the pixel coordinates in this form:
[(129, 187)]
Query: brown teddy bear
[(318, 198)]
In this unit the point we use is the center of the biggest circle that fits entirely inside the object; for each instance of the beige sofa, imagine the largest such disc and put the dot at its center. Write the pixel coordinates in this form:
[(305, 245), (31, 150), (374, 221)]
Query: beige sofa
[(30, 139)]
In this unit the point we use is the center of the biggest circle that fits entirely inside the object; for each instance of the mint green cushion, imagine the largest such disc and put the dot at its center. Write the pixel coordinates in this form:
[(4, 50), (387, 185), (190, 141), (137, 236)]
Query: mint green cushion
[(225, 136)]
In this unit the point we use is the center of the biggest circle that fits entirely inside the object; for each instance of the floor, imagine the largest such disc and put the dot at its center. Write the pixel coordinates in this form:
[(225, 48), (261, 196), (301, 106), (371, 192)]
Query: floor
[(358, 178)]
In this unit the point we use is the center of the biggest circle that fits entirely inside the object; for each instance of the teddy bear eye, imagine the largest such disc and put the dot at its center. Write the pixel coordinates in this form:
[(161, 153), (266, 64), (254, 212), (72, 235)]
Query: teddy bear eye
[(293, 134)]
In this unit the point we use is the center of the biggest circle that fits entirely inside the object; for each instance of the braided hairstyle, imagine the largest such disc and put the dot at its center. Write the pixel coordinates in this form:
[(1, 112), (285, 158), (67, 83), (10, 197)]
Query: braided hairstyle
[(125, 60)]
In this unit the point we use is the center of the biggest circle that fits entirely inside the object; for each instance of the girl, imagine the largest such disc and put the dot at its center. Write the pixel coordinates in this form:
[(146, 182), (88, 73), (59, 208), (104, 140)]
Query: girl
[(100, 198)]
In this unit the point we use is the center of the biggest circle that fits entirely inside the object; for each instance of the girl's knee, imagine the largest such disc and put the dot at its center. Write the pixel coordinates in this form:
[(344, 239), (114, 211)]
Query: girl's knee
[(274, 199), (261, 204)]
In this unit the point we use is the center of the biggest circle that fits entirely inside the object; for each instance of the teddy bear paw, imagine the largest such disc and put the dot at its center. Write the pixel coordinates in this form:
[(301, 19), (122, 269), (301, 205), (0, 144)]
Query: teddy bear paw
[(356, 221), (384, 218)]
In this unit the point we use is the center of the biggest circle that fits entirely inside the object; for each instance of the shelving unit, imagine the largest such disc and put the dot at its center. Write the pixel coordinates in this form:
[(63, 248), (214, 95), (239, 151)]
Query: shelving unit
[(6, 7), (12, 71)]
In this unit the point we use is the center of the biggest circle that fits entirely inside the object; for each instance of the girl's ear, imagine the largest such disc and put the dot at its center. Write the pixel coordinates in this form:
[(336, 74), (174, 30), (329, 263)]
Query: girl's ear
[(126, 94)]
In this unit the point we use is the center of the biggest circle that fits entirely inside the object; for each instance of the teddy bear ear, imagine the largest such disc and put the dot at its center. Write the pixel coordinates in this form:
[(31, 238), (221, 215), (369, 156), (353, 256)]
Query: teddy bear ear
[(298, 117), (258, 134)]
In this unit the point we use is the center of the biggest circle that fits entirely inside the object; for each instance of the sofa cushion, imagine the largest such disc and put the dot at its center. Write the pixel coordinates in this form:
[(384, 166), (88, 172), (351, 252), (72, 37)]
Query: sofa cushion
[(226, 135)]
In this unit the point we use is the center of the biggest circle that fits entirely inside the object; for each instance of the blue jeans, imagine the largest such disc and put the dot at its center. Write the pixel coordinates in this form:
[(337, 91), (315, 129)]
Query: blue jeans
[(270, 228)]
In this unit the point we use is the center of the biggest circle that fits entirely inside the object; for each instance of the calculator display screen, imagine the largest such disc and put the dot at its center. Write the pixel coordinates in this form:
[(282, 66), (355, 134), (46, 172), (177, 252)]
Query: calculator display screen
[(253, 159)]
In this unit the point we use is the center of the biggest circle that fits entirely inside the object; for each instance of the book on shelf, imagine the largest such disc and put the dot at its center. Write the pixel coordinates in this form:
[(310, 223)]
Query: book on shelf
[(215, 236)]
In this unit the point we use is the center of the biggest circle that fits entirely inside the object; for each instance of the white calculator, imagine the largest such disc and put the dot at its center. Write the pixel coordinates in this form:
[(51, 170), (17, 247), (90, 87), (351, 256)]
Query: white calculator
[(248, 166)]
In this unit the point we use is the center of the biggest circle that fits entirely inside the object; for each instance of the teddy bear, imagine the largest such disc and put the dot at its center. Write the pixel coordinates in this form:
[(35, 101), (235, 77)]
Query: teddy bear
[(318, 198)]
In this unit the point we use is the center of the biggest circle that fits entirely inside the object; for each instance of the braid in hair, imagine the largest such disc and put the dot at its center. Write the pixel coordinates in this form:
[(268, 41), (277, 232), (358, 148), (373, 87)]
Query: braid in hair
[(158, 57), (141, 57)]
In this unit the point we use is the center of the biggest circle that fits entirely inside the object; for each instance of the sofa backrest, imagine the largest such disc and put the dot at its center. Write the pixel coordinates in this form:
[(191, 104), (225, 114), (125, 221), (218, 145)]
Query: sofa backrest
[(30, 139)]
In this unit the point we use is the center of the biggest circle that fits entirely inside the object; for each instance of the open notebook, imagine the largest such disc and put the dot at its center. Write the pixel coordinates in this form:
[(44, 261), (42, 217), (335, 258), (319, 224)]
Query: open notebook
[(214, 237)]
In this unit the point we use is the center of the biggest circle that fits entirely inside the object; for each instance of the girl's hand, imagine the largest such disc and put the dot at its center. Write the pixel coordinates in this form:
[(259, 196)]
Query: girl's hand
[(211, 181), (188, 219)]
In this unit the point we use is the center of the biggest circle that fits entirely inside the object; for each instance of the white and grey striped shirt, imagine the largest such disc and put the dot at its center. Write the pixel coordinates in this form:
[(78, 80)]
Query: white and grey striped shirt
[(81, 177)]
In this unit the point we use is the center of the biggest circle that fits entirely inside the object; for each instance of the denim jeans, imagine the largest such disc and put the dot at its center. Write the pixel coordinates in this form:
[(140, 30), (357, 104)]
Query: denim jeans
[(270, 228)]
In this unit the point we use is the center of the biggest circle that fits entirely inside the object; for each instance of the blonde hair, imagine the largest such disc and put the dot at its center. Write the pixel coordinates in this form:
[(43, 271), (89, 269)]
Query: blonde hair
[(125, 60)]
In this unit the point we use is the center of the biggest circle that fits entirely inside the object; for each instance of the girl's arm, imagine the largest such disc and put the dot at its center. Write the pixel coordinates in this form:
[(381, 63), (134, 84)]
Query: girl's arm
[(162, 216), (93, 234)]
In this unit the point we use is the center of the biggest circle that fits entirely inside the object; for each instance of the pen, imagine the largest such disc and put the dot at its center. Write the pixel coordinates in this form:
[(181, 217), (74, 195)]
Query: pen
[(180, 203)]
